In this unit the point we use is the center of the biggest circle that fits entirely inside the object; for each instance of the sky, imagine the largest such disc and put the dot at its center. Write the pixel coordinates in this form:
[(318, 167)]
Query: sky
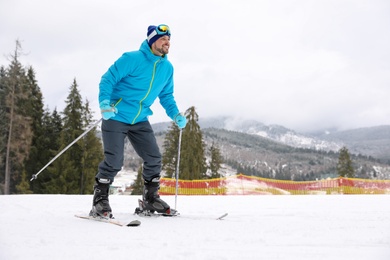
[(306, 65), (268, 227)]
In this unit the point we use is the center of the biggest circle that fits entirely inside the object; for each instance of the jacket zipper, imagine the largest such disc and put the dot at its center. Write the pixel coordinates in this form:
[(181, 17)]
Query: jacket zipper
[(147, 93)]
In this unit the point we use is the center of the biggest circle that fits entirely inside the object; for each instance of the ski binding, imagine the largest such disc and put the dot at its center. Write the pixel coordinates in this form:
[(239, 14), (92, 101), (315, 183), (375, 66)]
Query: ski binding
[(143, 212)]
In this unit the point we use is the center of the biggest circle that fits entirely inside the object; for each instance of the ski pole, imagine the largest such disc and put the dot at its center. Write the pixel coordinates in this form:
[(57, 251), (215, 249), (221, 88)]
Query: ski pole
[(177, 168), (72, 143), (66, 148)]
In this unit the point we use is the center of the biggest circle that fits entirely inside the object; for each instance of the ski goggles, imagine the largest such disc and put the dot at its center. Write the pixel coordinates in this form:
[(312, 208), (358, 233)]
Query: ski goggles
[(163, 29)]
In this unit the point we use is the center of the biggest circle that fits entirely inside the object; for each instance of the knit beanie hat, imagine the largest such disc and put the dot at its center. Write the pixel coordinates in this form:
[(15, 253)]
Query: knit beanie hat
[(156, 32)]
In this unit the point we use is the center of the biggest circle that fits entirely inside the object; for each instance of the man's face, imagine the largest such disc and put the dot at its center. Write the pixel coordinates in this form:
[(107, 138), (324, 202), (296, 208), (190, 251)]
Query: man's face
[(161, 46)]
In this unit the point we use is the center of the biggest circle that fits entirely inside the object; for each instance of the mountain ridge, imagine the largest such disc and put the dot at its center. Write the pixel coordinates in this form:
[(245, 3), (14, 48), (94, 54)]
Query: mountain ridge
[(369, 141)]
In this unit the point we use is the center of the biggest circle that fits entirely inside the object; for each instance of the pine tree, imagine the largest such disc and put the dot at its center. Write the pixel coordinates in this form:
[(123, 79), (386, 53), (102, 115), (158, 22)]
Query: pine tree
[(215, 161), (344, 165), (193, 160), (35, 110), (171, 143), (17, 121), (192, 155), (92, 153), (66, 170)]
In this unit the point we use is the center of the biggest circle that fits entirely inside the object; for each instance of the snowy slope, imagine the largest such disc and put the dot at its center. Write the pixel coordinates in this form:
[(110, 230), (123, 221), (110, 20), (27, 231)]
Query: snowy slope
[(257, 227)]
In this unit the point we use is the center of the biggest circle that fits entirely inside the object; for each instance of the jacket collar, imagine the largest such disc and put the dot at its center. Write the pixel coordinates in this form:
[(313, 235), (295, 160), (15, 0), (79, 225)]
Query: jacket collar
[(145, 48)]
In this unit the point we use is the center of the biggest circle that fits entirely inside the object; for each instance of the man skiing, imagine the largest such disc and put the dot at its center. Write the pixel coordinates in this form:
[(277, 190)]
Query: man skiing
[(126, 92)]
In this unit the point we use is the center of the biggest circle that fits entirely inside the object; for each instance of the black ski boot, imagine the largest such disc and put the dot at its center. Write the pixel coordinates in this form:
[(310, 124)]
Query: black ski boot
[(151, 199), (101, 206)]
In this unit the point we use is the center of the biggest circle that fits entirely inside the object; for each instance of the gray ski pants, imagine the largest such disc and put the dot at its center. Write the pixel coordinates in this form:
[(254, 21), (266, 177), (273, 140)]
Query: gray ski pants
[(143, 140)]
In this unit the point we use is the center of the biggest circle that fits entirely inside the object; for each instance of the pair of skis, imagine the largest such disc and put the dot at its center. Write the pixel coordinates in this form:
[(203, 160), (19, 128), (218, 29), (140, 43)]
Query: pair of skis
[(140, 211)]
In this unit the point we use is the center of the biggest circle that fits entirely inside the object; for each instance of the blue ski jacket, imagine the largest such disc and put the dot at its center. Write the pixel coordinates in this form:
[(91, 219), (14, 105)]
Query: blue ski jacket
[(139, 77)]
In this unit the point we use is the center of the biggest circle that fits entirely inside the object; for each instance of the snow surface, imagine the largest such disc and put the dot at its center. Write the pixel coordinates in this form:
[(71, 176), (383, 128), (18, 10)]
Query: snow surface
[(257, 227)]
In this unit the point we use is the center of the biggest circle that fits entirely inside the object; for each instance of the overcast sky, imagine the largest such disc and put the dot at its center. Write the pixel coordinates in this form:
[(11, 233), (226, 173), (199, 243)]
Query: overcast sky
[(306, 65)]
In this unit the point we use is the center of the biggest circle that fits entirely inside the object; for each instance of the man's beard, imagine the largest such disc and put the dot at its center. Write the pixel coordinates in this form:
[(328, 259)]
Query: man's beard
[(162, 50)]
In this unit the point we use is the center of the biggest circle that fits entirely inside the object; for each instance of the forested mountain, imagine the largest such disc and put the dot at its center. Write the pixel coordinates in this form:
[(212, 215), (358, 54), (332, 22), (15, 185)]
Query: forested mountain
[(371, 141), (261, 156), (253, 148), (256, 155)]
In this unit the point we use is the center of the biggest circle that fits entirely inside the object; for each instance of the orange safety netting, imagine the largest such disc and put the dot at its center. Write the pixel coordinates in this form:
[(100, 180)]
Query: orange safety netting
[(250, 185)]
